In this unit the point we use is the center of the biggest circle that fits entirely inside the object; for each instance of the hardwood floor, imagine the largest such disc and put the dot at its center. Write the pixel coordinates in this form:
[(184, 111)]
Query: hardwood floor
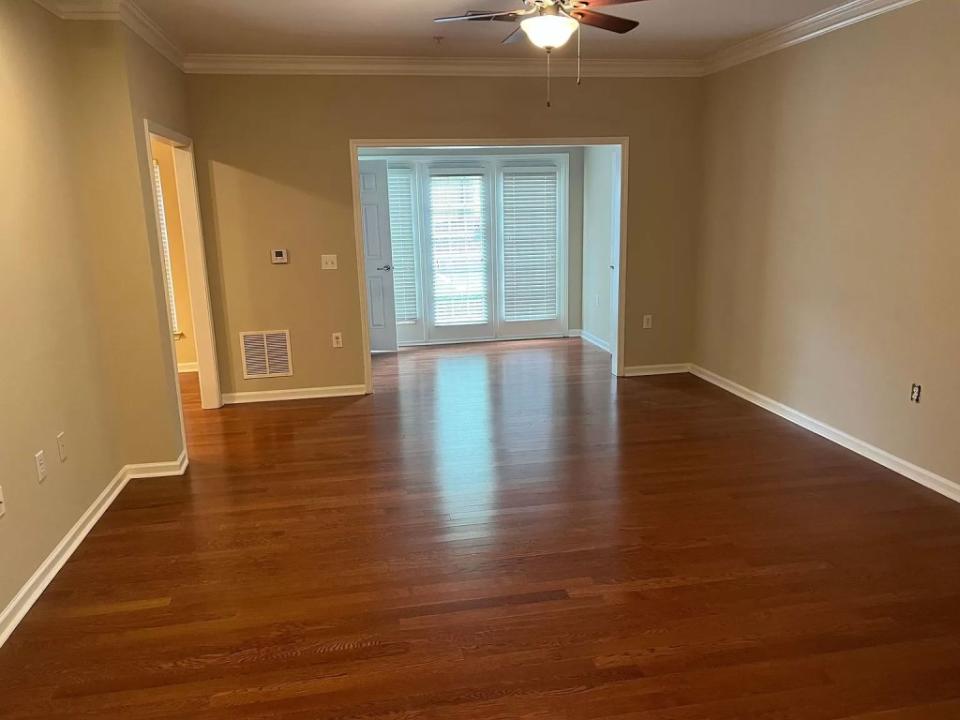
[(504, 531)]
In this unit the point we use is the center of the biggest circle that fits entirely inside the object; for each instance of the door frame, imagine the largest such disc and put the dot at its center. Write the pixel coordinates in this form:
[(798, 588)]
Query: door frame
[(618, 363), (198, 284)]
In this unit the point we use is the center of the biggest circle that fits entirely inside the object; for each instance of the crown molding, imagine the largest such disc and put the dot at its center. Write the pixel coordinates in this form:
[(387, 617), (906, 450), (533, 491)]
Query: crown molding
[(131, 15), (126, 12), (51, 6), (801, 31), (436, 67)]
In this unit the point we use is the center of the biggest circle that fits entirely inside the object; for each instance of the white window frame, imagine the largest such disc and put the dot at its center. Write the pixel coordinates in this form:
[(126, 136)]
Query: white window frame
[(414, 333), (462, 333), (544, 328), (493, 166)]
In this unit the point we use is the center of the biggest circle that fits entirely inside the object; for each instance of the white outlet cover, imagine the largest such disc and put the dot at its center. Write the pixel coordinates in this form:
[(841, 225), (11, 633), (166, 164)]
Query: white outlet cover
[(337, 339), (41, 461), (328, 262)]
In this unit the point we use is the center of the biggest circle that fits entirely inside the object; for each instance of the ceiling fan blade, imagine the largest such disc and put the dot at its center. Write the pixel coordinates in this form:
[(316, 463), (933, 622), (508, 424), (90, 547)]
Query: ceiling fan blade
[(514, 37), (605, 22), (474, 15), (589, 4)]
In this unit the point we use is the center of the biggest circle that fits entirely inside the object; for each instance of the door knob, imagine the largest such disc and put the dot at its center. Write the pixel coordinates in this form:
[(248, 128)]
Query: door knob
[(386, 267)]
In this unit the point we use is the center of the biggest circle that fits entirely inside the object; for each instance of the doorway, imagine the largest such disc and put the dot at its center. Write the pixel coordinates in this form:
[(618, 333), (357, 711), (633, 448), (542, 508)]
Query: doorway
[(485, 241), (183, 260)]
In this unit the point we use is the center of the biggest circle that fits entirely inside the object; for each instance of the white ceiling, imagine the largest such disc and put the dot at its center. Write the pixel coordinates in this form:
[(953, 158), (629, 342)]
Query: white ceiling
[(670, 29)]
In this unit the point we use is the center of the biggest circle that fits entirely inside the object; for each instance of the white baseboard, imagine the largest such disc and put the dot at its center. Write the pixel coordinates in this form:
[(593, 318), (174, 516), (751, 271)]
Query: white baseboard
[(643, 370), (188, 367), (297, 394), (21, 603), (161, 469), (594, 340), (916, 473)]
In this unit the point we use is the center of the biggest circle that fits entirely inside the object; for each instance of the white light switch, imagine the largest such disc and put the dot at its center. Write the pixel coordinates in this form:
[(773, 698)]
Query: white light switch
[(647, 322), (328, 262), (337, 340), (62, 447), (41, 461), (279, 256)]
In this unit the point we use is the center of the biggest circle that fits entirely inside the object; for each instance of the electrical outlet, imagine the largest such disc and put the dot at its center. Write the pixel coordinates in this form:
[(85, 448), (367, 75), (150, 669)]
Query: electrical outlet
[(647, 322), (3, 505), (915, 393), (41, 461), (337, 339), (62, 447), (328, 262)]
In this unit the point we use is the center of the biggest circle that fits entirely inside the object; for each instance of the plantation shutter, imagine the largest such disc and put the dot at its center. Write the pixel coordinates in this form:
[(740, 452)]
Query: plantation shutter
[(165, 249), (459, 242), (531, 233), (401, 189)]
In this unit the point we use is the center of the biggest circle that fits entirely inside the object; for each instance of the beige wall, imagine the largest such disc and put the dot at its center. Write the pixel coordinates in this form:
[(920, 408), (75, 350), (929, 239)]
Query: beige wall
[(274, 170), (830, 254), (78, 282), (599, 185), (185, 344), (53, 377), (157, 92)]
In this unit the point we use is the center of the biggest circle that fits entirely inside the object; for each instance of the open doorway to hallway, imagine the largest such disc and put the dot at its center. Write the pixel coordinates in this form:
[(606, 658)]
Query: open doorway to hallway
[(183, 261), (173, 255), (480, 242)]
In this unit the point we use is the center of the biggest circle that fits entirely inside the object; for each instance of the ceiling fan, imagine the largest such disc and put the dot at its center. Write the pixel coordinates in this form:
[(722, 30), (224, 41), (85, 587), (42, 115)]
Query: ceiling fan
[(549, 24)]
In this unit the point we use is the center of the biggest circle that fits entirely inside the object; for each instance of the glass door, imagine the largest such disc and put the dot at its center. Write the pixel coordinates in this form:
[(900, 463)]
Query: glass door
[(531, 262), (458, 271)]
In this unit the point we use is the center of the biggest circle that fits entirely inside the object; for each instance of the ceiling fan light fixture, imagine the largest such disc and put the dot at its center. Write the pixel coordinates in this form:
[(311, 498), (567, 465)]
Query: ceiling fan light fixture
[(549, 31)]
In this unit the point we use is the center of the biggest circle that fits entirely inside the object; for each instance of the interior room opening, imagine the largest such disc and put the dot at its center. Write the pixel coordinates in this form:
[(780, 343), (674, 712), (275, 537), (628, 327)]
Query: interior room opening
[(465, 244), (183, 264)]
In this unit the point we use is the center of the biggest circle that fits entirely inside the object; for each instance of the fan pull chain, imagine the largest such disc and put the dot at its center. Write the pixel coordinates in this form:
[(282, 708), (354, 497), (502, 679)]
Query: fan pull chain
[(579, 55), (549, 104)]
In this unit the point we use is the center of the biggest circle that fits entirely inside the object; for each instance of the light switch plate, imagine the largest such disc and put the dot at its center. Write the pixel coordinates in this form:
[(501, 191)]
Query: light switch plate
[(41, 461), (3, 505), (62, 446), (279, 256), (328, 262), (647, 322)]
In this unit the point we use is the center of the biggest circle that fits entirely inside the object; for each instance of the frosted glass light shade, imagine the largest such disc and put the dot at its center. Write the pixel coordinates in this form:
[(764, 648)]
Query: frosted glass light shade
[(549, 31)]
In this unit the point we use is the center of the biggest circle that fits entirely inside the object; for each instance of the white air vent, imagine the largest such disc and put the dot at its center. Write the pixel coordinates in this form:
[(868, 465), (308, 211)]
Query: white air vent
[(266, 354)]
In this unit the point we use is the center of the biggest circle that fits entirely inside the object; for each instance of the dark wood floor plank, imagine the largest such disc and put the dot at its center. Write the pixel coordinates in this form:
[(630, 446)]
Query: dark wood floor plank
[(503, 531)]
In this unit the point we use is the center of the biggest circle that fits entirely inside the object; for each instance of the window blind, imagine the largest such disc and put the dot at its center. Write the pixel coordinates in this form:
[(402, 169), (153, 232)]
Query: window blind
[(165, 249), (401, 190), (530, 246), (459, 241)]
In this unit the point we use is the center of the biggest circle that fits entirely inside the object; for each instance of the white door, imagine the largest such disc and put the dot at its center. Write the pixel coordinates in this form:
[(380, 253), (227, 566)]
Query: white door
[(459, 288), (375, 215)]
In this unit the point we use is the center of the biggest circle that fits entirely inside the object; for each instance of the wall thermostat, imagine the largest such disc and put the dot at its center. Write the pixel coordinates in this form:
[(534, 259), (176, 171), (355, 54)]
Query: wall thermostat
[(279, 257)]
